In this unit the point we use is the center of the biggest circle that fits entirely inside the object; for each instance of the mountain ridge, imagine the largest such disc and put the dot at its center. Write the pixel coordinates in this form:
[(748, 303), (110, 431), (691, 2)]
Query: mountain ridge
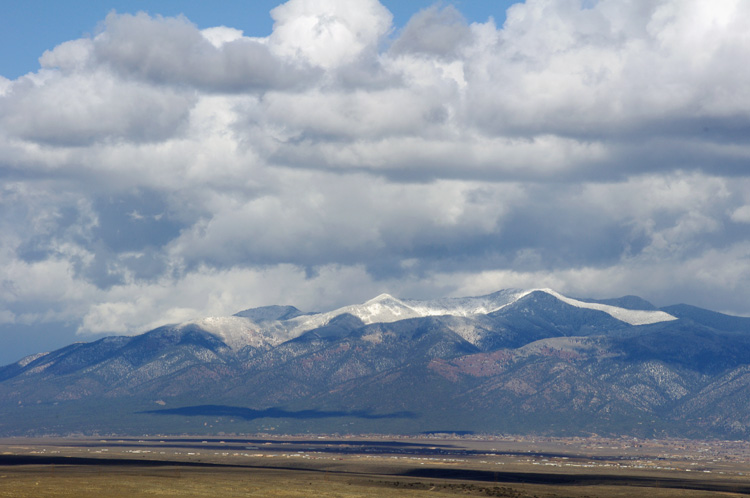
[(276, 324), (523, 361)]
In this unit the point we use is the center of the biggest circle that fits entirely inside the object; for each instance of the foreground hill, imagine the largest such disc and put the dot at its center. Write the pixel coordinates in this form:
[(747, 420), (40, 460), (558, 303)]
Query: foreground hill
[(531, 361)]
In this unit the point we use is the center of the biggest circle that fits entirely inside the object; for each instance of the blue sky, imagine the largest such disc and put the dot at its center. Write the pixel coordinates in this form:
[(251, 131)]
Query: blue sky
[(171, 168), (30, 27)]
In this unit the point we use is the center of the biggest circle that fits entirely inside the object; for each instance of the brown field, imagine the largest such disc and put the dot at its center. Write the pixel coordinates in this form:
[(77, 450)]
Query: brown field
[(374, 466)]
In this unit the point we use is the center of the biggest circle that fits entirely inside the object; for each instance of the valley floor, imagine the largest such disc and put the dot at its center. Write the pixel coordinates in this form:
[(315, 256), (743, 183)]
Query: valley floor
[(371, 466)]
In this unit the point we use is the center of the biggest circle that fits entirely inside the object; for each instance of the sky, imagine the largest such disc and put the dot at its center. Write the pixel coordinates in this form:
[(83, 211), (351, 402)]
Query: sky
[(164, 161)]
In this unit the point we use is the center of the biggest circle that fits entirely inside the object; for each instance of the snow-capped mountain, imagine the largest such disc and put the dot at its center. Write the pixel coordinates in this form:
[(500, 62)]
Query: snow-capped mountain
[(529, 360), (631, 316), (275, 324)]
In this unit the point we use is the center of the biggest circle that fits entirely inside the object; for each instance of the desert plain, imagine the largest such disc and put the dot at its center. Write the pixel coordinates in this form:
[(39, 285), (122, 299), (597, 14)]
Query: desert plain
[(363, 466)]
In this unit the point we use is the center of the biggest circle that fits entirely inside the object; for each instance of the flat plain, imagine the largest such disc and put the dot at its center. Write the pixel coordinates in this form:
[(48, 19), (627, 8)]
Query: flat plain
[(368, 466)]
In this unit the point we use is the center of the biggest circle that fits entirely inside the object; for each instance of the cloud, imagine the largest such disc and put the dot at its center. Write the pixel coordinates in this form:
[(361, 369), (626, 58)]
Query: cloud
[(81, 109), (328, 33), (156, 172), (173, 51), (717, 278), (741, 214), (221, 35), (434, 31), (5, 85), (612, 70), (381, 221)]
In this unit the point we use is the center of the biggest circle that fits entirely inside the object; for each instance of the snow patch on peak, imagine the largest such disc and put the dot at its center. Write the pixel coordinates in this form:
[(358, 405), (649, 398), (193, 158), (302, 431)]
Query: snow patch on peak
[(381, 309), (467, 306), (28, 359), (386, 309), (633, 317), (236, 332), (382, 297)]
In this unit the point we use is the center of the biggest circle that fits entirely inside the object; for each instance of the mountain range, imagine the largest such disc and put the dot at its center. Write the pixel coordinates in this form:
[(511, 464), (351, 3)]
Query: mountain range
[(515, 361)]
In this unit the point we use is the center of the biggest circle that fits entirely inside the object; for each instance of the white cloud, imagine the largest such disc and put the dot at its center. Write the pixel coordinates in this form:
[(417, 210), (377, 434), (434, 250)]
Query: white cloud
[(741, 214), (80, 109), (616, 67), (172, 51), (221, 35), (71, 56), (434, 31), (157, 172), (5, 85), (328, 33), (373, 220)]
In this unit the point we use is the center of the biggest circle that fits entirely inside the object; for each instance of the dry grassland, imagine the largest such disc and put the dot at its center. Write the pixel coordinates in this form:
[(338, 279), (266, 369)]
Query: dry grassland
[(89, 482), (84, 469)]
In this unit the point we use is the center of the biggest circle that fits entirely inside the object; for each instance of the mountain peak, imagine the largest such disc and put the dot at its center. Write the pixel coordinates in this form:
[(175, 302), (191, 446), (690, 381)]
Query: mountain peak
[(633, 317), (381, 298)]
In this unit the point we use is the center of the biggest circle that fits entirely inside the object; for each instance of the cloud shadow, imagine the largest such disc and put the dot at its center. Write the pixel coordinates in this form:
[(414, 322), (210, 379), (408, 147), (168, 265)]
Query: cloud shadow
[(274, 412)]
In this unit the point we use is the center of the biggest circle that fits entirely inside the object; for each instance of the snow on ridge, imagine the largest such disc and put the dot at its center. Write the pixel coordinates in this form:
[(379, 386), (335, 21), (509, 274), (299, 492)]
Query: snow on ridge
[(633, 317), (381, 309), (467, 306), (386, 308), (28, 359), (238, 332)]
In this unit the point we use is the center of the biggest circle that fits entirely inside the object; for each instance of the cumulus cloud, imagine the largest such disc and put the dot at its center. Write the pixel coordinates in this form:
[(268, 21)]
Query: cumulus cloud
[(632, 69), (328, 33), (157, 172), (173, 51), (81, 109), (434, 31)]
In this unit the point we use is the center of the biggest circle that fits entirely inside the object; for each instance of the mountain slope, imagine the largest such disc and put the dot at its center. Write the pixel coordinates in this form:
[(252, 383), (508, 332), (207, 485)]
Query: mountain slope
[(531, 361)]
